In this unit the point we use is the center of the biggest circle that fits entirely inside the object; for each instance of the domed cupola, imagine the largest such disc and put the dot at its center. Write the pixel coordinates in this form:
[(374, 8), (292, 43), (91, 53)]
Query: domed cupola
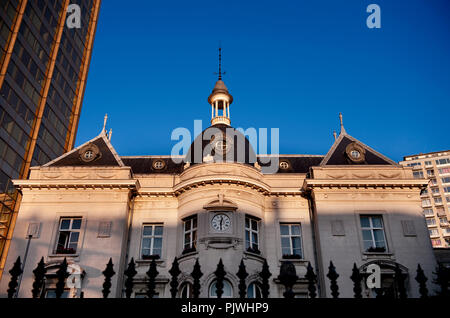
[(220, 100)]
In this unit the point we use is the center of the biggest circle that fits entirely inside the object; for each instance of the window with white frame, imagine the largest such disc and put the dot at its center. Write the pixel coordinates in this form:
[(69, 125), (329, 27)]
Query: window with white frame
[(252, 234), (445, 180), (431, 222), (428, 212), (426, 202), (443, 161), (443, 221), (434, 190), (190, 234), (430, 173), (374, 239), (68, 235), (291, 240), (438, 200), (152, 239), (444, 170), (436, 242), (433, 181), (227, 290)]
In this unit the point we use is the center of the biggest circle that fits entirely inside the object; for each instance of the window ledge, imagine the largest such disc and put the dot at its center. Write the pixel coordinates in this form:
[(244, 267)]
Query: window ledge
[(251, 255), (367, 255), (187, 255), (293, 260), (159, 261), (64, 255)]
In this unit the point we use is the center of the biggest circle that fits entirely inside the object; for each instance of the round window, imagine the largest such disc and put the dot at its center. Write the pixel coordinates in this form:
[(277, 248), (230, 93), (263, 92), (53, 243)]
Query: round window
[(158, 164), (284, 165), (355, 154)]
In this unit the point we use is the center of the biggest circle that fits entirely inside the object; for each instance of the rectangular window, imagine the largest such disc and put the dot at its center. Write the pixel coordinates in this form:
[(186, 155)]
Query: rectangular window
[(152, 237), (443, 161), (426, 202), (433, 232), (190, 234), (444, 170), (430, 173), (428, 163), (436, 242), (431, 222), (252, 234), (447, 189), (291, 240), (445, 180), (428, 212), (443, 221), (434, 190), (433, 181), (68, 235), (374, 239), (438, 200), (418, 174)]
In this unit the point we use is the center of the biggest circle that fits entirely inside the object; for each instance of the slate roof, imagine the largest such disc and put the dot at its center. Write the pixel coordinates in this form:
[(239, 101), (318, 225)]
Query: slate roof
[(108, 158), (337, 156), (144, 165)]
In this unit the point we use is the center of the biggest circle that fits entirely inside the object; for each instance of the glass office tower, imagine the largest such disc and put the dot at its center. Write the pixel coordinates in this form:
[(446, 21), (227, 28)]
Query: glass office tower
[(44, 63)]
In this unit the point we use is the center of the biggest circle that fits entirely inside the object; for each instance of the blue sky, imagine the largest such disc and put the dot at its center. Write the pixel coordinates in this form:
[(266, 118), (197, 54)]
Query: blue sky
[(292, 65)]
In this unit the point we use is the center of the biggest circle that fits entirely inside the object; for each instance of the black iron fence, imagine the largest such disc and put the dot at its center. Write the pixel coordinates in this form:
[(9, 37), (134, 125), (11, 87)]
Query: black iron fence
[(287, 277)]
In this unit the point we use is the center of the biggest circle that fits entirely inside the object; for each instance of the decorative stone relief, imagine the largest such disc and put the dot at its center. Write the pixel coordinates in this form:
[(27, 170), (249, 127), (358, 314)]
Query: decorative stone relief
[(104, 229), (408, 228), (337, 228)]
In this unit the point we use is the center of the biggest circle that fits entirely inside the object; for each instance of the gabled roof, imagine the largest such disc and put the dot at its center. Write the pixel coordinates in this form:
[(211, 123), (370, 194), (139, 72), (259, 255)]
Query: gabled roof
[(107, 155), (337, 153)]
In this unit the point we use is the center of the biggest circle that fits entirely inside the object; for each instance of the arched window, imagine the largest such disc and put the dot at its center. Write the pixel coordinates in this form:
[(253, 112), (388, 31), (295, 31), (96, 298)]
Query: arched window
[(227, 290), (186, 290), (253, 291)]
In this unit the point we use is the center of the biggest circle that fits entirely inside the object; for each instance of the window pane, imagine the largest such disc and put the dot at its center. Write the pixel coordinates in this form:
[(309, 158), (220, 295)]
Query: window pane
[(365, 221), (254, 238), (367, 235), (285, 242), (286, 251), (247, 223), (296, 243), (146, 243), (367, 245), (194, 222), (378, 234), (376, 221), (297, 251), (295, 229), (65, 224), (74, 237), (187, 225), (254, 225), (157, 243), (284, 229), (148, 230), (158, 230), (76, 224), (157, 251)]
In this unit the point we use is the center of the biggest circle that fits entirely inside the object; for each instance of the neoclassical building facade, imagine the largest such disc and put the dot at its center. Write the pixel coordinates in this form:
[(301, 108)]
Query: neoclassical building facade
[(350, 206)]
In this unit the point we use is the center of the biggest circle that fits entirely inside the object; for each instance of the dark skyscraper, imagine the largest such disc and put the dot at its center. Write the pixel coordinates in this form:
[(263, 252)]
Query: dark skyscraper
[(44, 61)]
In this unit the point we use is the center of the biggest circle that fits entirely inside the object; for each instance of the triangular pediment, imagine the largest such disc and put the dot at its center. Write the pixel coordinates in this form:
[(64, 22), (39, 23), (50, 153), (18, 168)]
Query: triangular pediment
[(347, 150), (96, 152)]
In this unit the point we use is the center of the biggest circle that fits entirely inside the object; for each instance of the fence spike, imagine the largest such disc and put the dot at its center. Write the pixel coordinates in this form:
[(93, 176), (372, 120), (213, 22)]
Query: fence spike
[(356, 278), (108, 273), (174, 272), (442, 279), (220, 275), (39, 275), (333, 276), (196, 275), (242, 275), (15, 272), (265, 275), (61, 274), (312, 279), (422, 280), (288, 277), (152, 273), (399, 279), (130, 272)]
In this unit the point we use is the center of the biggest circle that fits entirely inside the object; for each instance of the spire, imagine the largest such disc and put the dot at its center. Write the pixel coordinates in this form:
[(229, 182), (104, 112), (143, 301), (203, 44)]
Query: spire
[(105, 119), (335, 135), (342, 124), (220, 99), (220, 63)]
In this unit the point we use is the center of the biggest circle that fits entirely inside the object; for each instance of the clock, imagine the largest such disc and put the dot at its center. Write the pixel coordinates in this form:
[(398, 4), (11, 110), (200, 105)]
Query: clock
[(221, 222)]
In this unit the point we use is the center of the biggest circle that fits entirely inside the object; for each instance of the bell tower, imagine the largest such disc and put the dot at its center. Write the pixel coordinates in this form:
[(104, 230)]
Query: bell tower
[(220, 99)]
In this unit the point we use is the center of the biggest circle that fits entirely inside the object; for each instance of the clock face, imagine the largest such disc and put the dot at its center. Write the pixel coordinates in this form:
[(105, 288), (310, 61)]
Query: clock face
[(221, 222)]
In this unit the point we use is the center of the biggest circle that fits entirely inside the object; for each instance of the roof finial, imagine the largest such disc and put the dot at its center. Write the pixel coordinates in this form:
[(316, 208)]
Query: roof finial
[(342, 124), (220, 73), (105, 119), (335, 135), (110, 134)]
